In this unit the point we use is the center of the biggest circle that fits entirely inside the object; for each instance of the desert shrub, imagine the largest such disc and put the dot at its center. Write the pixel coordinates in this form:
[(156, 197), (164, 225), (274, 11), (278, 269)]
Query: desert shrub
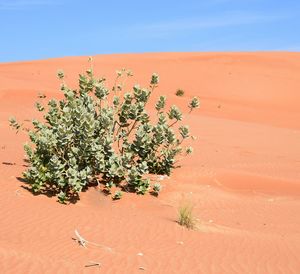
[(100, 134), (156, 189), (185, 216), (117, 195), (179, 92)]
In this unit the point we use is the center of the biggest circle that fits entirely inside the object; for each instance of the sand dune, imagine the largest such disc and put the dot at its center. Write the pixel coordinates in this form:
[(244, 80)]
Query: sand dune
[(243, 178)]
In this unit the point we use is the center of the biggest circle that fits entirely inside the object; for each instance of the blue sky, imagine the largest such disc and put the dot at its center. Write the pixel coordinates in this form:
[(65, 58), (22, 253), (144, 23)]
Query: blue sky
[(39, 29)]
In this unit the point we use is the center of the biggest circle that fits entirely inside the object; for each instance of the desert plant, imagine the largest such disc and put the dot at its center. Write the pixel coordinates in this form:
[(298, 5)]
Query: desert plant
[(156, 189), (185, 216), (102, 134), (117, 195), (179, 92)]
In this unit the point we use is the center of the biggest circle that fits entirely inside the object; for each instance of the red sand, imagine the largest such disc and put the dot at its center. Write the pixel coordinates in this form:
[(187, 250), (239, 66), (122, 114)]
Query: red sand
[(243, 178)]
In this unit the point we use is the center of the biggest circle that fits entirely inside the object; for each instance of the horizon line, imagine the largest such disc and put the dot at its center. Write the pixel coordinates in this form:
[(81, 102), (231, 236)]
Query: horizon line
[(148, 52)]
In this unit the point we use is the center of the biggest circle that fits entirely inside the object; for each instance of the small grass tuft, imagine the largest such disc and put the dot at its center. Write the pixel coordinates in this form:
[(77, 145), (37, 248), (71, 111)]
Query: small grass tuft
[(186, 217), (179, 92)]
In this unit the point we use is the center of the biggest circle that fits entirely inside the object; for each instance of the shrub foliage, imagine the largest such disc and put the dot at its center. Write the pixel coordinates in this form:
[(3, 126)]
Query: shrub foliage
[(101, 134)]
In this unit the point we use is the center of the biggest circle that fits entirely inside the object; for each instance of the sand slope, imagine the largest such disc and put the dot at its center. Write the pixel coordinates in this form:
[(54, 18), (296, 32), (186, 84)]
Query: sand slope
[(244, 177)]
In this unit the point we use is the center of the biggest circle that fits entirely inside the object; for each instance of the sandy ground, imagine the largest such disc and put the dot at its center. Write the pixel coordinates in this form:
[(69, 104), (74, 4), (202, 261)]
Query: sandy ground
[(243, 178)]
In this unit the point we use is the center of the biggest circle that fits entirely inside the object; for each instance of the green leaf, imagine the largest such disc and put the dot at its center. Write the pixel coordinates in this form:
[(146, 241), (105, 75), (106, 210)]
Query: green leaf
[(160, 103), (154, 79), (194, 103), (175, 113)]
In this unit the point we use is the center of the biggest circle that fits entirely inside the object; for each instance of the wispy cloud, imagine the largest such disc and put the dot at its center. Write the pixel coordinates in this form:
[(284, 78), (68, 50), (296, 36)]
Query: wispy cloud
[(217, 2), (24, 4), (295, 47), (216, 21)]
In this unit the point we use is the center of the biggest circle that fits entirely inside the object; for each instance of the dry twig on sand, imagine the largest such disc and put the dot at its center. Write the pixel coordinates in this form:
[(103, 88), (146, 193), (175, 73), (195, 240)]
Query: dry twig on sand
[(80, 239), (83, 242), (92, 263)]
